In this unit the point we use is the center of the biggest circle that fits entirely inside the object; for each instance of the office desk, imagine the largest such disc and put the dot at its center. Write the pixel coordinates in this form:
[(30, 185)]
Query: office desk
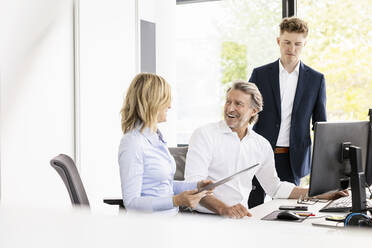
[(260, 211), (26, 227)]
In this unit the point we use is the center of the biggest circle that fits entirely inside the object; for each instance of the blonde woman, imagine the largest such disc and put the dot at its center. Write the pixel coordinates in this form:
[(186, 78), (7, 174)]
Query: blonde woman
[(146, 166)]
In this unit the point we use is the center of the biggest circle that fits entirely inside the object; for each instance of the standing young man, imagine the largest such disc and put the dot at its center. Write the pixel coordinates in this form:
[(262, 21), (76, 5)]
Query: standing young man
[(293, 94)]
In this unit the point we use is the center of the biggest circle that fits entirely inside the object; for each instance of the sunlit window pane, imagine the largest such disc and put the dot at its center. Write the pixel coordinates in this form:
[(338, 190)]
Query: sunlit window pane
[(219, 42), (340, 46)]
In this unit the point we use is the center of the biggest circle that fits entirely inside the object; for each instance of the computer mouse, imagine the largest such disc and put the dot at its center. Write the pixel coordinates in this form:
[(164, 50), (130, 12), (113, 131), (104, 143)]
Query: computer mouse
[(286, 215)]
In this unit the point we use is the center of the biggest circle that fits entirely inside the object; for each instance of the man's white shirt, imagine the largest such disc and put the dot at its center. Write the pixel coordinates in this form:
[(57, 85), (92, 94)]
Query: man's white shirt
[(215, 152), (288, 86)]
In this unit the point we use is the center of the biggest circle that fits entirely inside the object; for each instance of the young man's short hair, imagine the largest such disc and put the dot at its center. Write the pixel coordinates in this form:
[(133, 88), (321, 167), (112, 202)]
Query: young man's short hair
[(294, 25)]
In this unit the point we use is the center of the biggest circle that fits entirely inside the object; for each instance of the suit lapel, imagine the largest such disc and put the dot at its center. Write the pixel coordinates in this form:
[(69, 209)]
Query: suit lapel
[(274, 78), (301, 83)]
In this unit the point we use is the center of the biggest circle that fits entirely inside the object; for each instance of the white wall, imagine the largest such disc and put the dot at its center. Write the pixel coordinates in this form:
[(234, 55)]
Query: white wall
[(107, 57), (107, 66), (37, 92), (36, 67), (163, 14)]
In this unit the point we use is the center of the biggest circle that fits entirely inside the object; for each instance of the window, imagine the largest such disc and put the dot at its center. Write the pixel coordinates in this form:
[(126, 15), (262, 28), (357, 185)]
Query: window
[(339, 46), (219, 42)]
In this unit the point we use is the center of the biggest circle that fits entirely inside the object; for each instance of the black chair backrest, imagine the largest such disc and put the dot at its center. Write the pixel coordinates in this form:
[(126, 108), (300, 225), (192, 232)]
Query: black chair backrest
[(179, 154), (66, 168)]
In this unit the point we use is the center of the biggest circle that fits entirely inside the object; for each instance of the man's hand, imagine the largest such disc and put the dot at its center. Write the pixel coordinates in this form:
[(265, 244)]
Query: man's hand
[(237, 211), (334, 195)]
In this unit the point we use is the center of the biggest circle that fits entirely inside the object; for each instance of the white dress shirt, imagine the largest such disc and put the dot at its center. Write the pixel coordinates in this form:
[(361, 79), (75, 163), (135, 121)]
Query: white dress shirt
[(215, 152), (288, 86)]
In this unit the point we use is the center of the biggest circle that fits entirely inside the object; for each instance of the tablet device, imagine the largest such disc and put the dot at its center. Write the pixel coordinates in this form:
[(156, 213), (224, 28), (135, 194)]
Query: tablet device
[(225, 180)]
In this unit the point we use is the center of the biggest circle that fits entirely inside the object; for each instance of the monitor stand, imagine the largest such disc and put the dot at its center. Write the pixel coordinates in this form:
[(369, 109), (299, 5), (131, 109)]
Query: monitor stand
[(368, 171), (357, 178)]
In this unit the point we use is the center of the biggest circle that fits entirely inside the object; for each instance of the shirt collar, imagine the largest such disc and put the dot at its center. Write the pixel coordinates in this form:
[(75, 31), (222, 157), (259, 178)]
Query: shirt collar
[(297, 68), (152, 137), (226, 129)]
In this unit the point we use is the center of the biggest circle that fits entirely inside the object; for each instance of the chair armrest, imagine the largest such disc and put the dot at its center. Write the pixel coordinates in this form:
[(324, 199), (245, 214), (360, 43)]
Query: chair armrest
[(114, 201)]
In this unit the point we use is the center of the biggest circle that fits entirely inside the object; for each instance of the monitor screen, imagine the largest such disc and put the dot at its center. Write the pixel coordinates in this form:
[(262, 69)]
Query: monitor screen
[(327, 167)]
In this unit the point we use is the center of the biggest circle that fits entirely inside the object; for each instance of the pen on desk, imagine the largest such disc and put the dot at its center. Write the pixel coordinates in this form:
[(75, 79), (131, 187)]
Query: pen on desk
[(305, 214)]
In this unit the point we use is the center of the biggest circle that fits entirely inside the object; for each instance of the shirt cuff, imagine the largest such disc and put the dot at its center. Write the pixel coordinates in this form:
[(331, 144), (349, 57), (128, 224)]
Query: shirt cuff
[(181, 186), (162, 203), (284, 191), (191, 185)]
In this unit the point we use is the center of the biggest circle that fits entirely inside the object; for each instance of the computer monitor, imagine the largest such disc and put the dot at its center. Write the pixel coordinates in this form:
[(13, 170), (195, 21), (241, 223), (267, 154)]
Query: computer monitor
[(328, 171)]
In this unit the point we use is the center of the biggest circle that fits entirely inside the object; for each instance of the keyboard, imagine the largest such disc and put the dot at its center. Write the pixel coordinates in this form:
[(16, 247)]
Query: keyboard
[(342, 205)]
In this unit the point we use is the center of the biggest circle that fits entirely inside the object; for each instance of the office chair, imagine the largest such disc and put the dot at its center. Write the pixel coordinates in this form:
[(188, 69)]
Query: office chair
[(179, 154), (66, 168)]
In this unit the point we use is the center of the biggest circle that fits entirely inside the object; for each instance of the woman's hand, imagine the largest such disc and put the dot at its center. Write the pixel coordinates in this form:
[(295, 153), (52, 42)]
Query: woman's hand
[(189, 198)]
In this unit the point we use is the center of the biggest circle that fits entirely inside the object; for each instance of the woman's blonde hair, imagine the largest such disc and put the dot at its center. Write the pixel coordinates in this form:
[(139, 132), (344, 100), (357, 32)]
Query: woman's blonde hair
[(147, 95)]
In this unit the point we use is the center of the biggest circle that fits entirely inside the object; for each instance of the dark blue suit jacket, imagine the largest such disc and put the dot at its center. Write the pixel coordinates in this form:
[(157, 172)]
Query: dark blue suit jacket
[(309, 103)]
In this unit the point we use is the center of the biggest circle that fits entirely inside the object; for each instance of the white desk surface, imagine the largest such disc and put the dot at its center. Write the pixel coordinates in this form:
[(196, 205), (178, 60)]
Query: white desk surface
[(264, 209), (25, 227)]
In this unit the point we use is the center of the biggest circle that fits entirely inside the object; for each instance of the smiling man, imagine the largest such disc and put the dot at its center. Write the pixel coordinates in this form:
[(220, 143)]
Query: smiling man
[(293, 94), (218, 150)]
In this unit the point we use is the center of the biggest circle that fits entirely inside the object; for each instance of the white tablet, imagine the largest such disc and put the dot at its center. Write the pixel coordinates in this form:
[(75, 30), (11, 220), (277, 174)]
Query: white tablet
[(229, 178)]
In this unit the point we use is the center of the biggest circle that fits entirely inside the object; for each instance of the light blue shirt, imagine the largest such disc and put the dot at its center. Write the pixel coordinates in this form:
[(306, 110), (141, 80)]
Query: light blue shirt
[(146, 171)]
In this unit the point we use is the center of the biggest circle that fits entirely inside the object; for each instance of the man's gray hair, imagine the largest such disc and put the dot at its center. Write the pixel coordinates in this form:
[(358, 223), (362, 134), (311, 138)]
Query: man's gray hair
[(256, 97)]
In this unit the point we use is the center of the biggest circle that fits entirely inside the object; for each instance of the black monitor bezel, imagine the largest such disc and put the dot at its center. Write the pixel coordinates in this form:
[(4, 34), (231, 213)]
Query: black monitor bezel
[(335, 171)]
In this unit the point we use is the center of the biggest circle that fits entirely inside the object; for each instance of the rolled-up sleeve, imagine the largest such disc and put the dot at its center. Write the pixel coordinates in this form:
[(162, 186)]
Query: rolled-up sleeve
[(199, 157), (269, 179), (131, 174)]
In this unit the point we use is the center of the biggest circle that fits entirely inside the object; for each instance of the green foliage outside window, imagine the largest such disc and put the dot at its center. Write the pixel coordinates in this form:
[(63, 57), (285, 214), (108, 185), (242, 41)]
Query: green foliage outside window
[(339, 46), (233, 61)]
